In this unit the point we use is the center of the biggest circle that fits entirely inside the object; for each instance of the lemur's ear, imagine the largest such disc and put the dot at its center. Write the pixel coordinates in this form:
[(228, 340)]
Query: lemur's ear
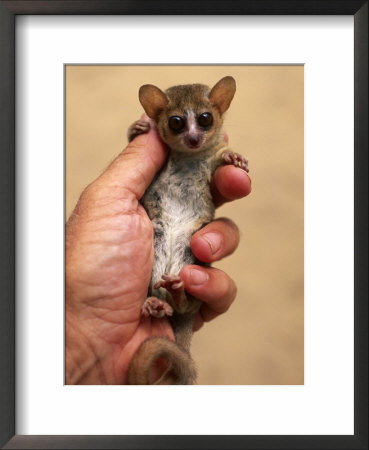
[(222, 94), (152, 99)]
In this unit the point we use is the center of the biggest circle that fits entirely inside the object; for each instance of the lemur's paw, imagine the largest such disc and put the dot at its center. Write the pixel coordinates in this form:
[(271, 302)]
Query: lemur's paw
[(137, 128), (174, 285), (156, 308), (236, 160)]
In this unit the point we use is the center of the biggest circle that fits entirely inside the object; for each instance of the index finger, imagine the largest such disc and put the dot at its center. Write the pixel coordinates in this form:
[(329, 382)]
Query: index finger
[(135, 167)]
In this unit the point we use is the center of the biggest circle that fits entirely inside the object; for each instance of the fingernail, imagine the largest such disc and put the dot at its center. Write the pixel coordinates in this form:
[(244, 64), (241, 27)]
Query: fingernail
[(214, 240), (198, 277)]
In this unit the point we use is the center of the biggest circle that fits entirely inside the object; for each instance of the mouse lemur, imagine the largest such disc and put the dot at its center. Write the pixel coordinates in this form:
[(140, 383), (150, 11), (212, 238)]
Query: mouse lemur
[(189, 120)]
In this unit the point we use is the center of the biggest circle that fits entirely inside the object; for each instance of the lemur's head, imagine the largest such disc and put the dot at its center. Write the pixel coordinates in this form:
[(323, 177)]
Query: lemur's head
[(189, 117)]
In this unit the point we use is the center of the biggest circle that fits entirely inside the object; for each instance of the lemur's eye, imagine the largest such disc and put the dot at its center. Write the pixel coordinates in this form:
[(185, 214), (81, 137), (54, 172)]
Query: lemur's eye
[(176, 123), (205, 119)]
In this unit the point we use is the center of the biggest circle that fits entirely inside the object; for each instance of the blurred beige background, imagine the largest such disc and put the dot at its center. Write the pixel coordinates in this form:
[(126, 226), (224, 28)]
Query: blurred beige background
[(260, 340)]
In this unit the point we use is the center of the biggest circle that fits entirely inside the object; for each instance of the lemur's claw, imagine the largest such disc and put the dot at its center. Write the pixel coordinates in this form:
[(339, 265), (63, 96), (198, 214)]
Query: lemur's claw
[(236, 160)]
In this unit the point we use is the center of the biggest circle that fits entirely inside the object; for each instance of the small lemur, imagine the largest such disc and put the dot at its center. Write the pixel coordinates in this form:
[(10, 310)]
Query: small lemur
[(189, 120)]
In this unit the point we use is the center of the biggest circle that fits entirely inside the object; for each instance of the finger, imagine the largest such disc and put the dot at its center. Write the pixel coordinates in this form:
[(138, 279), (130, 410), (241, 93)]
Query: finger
[(134, 169), (216, 240), (229, 183), (213, 286)]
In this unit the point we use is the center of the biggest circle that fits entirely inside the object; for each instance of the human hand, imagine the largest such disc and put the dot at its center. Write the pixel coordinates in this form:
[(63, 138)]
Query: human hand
[(109, 255)]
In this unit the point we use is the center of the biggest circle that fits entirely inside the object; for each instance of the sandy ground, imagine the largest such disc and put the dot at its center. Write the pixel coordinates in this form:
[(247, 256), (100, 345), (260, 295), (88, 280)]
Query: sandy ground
[(260, 340)]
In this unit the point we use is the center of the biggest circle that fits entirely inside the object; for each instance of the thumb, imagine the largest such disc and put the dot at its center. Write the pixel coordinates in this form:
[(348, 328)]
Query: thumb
[(134, 169)]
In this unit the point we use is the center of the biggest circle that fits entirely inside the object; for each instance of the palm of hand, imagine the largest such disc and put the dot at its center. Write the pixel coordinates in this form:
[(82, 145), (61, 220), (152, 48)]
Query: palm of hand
[(111, 274)]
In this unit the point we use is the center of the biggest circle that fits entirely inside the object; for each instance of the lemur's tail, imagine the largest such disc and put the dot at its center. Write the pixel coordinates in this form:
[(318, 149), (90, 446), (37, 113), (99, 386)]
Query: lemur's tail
[(160, 352)]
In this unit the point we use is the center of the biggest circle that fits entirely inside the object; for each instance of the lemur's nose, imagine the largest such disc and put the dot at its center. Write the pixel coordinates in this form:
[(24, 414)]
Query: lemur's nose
[(194, 140)]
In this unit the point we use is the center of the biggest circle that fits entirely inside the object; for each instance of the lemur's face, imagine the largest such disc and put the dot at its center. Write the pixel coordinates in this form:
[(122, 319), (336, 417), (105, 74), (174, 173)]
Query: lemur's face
[(188, 117), (189, 123), (187, 131)]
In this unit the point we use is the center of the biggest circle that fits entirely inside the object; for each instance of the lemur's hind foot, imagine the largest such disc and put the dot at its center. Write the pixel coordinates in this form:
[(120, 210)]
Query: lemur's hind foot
[(137, 128), (175, 286), (155, 307)]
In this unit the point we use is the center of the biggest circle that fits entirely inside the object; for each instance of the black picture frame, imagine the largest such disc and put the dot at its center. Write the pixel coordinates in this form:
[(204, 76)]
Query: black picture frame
[(8, 12)]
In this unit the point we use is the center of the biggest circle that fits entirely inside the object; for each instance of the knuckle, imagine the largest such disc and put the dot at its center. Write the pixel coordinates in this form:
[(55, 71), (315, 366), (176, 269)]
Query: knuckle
[(228, 224), (225, 287), (231, 292), (89, 193)]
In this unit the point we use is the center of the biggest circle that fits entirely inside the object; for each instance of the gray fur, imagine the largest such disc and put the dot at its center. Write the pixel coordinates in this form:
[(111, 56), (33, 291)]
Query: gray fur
[(179, 203)]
